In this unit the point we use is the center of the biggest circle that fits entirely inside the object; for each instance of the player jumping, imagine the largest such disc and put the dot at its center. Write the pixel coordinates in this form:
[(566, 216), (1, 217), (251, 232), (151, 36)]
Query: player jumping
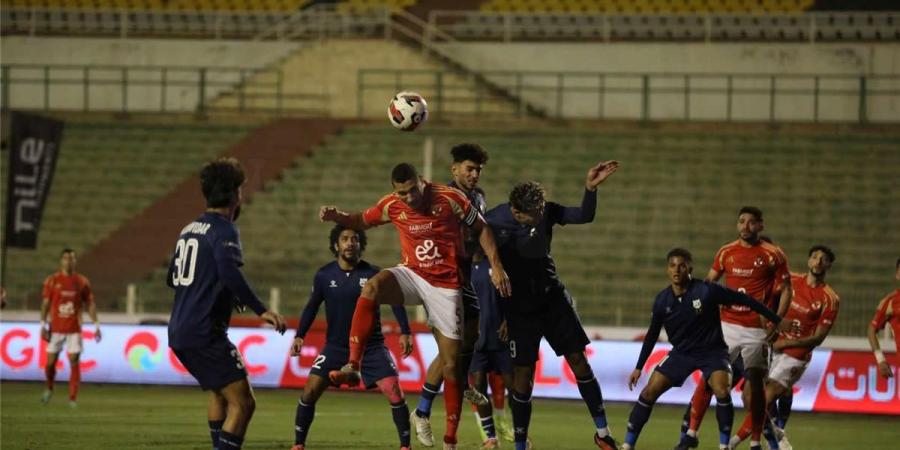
[(541, 305), (429, 220)]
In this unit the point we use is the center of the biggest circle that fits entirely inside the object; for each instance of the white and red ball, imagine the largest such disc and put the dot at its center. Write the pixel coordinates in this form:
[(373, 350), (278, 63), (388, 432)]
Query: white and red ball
[(407, 111)]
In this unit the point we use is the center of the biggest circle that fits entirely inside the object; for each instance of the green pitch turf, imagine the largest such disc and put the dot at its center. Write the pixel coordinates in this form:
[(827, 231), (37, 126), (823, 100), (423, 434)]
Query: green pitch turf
[(158, 417)]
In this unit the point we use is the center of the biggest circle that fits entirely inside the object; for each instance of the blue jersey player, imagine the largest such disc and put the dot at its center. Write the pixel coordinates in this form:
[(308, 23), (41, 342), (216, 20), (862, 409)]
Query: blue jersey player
[(468, 161), (540, 306), (205, 273), (491, 354), (689, 311), (338, 284)]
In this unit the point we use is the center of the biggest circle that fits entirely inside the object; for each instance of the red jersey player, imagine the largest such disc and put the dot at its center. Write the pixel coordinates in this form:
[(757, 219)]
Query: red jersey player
[(65, 294), (429, 219), (813, 309), (756, 268), (888, 312)]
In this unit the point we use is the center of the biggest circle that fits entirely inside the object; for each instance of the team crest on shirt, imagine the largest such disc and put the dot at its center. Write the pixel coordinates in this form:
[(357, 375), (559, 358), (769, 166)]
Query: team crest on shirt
[(698, 305), (759, 262), (436, 210), (333, 284), (362, 281)]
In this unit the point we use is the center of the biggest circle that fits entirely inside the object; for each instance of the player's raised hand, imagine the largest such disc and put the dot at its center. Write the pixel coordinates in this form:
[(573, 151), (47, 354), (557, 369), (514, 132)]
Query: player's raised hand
[(501, 282), (406, 345), (328, 213), (633, 379), (297, 346), (275, 320), (600, 173)]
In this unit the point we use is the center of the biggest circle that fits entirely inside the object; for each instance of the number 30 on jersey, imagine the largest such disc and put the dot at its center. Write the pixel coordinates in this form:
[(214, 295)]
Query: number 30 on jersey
[(185, 262)]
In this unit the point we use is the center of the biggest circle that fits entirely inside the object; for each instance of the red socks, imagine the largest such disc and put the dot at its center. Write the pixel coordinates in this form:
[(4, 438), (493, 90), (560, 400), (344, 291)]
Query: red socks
[(744, 431), (361, 328), (699, 405), (74, 381), (453, 404), (498, 393)]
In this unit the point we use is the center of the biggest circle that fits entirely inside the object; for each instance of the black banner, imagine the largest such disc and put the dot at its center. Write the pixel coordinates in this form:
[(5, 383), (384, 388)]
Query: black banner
[(33, 150)]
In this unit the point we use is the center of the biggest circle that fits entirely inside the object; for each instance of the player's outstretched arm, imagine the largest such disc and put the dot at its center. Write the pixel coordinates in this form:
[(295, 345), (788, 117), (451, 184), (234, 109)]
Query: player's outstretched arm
[(656, 323), (808, 342), (308, 316), (486, 238), (726, 296), (354, 221)]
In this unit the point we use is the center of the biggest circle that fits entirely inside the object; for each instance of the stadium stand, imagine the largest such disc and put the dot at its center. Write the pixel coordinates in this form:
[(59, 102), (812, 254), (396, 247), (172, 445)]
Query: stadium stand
[(648, 6), (107, 172), (813, 188), (163, 5)]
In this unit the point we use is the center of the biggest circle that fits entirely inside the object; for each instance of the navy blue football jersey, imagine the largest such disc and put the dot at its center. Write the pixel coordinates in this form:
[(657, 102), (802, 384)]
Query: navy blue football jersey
[(525, 250), (491, 313), (205, 273), (339, 289), (692, 320)]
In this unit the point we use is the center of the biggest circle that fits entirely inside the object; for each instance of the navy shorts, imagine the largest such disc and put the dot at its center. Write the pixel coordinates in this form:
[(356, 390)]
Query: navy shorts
[(558, 323), (215, 366), (471, 308), (677, 367), (376, 363), (497, 361)]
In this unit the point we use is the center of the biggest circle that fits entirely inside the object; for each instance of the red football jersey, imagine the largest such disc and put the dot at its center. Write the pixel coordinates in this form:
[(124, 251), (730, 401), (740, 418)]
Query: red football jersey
[(889, 312), (810, 307), (67, 295), (756, 271), (430, 237)]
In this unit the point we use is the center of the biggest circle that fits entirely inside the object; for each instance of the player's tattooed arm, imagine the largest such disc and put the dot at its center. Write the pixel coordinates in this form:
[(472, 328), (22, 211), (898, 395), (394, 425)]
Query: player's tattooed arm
[(353, 221)]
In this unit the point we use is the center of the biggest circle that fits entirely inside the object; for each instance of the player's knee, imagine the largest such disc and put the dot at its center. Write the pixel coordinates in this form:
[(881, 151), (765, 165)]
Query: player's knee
[(721, 390), (579, 364), (370, 289), (246, 405), (449, 370), (390, 387)]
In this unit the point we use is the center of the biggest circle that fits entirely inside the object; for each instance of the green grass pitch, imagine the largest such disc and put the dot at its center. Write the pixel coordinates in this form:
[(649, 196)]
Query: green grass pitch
[(163, 417)]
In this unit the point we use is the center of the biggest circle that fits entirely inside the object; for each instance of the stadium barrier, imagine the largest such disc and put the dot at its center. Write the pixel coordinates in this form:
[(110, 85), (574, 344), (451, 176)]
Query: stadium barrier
[(836, 381)]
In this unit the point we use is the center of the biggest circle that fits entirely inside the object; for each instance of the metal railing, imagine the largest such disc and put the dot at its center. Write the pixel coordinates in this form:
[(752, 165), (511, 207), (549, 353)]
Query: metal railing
[(667, 96), (129, 89), (326, 21), (710, 27), (317, 22)]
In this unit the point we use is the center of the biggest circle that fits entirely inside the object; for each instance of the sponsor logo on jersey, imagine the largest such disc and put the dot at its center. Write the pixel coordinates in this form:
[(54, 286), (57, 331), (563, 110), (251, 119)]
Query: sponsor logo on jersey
[(362, 281), (421, 228)]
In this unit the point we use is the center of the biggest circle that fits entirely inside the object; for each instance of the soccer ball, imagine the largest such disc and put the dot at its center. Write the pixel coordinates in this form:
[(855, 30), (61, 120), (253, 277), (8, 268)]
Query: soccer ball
[(407, 111)]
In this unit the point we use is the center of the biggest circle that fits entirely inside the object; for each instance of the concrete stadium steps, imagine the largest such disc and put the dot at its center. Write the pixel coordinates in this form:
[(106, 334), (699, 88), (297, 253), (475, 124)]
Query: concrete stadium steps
[(673, 189), (318, 77), (106, 174)]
